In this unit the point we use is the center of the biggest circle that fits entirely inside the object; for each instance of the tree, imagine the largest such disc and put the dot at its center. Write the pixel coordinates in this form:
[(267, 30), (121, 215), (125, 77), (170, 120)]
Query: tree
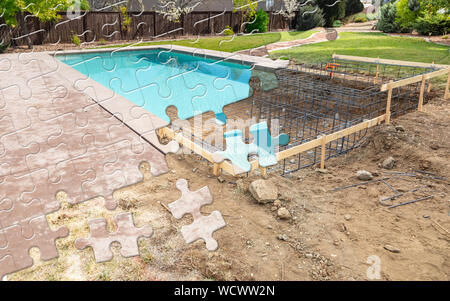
[(387, 21), (353, 7), (288, 8), (14, 11), (246, 7), (332, 9), (174, 9)]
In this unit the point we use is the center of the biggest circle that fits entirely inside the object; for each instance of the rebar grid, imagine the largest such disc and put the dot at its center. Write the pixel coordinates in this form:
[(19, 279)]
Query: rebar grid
[(311, 101)]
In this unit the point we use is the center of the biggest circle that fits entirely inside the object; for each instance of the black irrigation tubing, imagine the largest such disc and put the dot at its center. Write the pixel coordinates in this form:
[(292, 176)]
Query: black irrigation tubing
[(411, 202), (402, 194), (359, 184)]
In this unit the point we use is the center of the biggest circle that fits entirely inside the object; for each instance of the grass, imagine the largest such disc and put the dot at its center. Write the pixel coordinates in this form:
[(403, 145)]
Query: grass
[(369, 45), (232, 43)]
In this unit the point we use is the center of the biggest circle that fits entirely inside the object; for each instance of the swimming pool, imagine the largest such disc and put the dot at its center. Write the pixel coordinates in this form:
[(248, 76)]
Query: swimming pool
[(156, 79)]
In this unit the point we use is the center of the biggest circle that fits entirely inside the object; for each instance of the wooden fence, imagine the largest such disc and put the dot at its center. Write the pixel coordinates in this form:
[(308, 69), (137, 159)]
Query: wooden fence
[(109, 26)]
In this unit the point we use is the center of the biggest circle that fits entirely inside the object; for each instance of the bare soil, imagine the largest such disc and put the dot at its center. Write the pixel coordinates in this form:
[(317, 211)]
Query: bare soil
[(332, 235)]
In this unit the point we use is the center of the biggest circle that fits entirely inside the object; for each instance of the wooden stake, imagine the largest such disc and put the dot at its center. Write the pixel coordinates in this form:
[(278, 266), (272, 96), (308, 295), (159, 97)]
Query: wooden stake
[(378, 70), (429, 87), (388, 104), (263, 171), (216, 169), (322, 153), (422, 91), (447, 88)]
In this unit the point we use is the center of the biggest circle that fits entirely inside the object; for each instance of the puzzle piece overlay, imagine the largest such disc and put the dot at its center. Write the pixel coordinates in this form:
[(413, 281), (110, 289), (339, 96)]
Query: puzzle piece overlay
[(14, 247), (264, 145), (54, 138), (203, 226), (127, 235)]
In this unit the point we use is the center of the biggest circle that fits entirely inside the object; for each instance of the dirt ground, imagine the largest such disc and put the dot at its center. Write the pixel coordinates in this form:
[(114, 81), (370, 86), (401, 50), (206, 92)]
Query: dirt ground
[(337, 235)]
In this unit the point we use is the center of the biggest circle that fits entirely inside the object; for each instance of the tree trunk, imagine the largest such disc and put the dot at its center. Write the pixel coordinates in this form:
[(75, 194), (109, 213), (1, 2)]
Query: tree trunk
[(23, 24)]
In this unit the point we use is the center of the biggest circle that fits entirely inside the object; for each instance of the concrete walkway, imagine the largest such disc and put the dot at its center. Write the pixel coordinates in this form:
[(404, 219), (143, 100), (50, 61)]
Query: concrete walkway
[(264, 50), (322, 36)]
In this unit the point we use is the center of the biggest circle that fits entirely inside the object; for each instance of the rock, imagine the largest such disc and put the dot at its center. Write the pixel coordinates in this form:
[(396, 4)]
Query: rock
[(263, 191), (347, 217), (284, 237), (283, 213), (274, 208), (364, 175), (388, 163), (277, 203), (309, 255), (194, 169), (399, 128), (385, 203), (392, 249), (220, 179), (322, 170), (269, 227)]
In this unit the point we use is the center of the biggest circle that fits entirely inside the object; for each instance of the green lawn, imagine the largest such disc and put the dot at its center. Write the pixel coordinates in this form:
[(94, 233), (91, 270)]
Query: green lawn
[(369, 45), (230, 44)]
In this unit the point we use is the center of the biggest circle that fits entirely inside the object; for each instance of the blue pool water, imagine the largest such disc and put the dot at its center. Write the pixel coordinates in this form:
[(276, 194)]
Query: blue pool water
[(156, 79)]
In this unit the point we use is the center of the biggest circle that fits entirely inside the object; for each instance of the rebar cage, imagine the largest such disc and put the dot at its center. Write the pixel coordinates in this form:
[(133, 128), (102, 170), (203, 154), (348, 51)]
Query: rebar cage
[(313, 100)]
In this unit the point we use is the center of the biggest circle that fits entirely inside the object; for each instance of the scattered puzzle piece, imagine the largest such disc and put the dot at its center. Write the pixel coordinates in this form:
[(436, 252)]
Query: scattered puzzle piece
[(203, 226), (127, 235)]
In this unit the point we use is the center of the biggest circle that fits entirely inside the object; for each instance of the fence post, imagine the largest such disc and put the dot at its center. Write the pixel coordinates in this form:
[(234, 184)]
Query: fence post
[(422, 91), (154, 24), (322, 153), (388, 104), (447, 88)]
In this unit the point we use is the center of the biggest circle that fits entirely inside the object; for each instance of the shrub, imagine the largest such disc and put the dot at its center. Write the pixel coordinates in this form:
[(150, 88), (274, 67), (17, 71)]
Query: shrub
[(4, 46), (337, 23), (353, 7), (76, 40), (309, 18), (406, 17), (228, 31), (360, 19), (332, 10), (387, 21), (259, 22), (433, 24)]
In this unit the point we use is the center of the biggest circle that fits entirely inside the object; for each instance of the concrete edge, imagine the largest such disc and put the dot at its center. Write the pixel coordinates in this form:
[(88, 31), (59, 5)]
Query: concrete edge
[(256, 62)]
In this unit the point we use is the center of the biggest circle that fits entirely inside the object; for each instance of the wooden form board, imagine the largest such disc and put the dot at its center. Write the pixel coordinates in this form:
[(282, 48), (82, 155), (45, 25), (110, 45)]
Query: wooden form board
[(415, 79), (321, 141), (385, 61)]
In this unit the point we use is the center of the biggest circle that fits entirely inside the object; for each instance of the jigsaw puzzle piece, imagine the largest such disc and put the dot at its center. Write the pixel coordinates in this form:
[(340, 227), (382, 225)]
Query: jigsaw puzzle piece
[(203, 226), (190, 201), (16, 188), (21, 213), (236, 151), (12, 152), (265, 145), (127, 235), (18, 246)]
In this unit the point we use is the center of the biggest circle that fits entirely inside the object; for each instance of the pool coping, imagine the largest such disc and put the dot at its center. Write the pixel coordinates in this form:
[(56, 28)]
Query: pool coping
[(141, 121), (259, 63)]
